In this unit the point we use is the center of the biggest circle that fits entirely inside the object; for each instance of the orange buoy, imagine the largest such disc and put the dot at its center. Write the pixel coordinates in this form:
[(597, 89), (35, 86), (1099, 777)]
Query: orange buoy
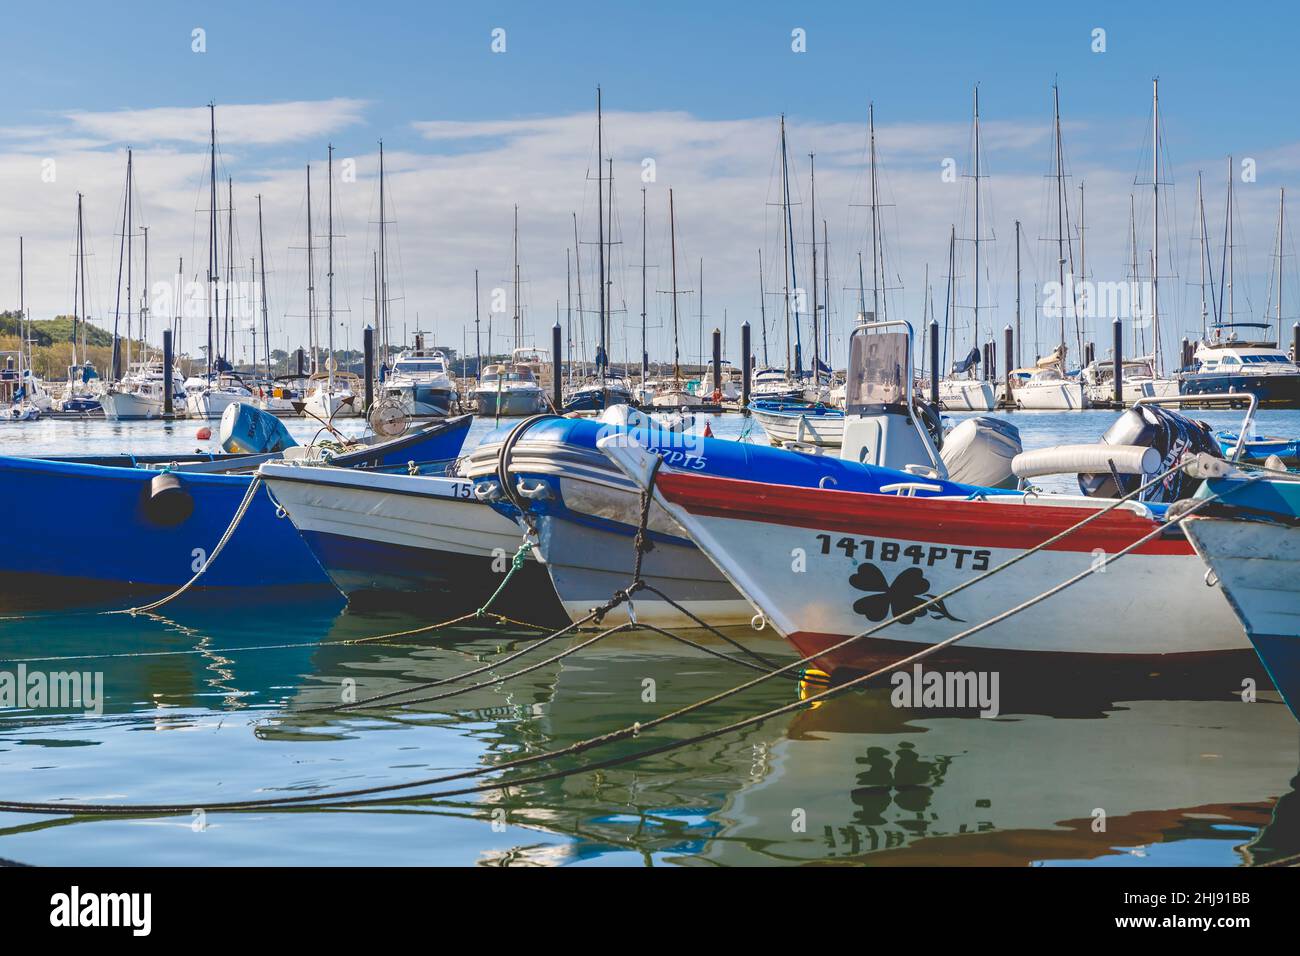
[(204, 433)]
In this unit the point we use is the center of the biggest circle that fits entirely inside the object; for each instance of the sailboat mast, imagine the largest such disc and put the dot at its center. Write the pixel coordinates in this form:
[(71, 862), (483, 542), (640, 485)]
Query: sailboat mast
[(261, 258), (212, 231), (1060, 208), (329, 240), (515, 317), (381, 307), (812, 173), (601, 356), (785, 245), (762, 306), (826, 293), (645, 354), (311, 280), (130, 237), (1155, 222), (229, 344), (875, 220), (144, 299), (672, 234), (1019, 331), (1281, 213), (975, 328), (1231, 267), (81, 270), (1201, 237)]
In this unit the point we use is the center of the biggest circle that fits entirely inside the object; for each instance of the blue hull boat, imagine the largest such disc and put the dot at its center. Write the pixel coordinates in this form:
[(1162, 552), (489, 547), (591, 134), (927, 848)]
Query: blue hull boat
[(1250, 540), (94, 529), (1259, 449), (587, 511)]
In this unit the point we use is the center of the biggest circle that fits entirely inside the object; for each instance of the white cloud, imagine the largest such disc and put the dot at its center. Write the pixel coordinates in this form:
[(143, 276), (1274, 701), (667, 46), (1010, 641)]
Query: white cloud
[(251, 123)]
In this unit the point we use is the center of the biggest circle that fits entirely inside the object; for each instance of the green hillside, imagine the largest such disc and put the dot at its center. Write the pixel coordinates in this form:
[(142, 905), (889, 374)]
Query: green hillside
[(58, 329)]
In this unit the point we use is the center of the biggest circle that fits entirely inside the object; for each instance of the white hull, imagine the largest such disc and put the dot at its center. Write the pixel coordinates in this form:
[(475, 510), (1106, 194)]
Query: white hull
[(329, 405), (120, 406), (677, 399), (1051, 396), (867, 557), (1258, 567), (415, 511), (211, 404), (827, 431), (967, 395)]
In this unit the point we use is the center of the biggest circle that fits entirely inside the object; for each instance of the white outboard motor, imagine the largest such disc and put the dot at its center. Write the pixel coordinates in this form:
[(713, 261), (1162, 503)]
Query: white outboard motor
[(980, 450)]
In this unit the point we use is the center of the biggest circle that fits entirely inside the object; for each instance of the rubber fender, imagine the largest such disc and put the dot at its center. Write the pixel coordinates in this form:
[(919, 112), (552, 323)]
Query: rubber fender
[(167, 501)]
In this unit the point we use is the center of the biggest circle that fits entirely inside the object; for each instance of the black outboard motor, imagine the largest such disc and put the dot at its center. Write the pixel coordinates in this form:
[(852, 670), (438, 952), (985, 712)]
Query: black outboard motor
[(1169, 433)]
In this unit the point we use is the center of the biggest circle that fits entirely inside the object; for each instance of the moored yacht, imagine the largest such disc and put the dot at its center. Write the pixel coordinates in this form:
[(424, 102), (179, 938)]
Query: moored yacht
[(507, 389), (421, 381), (142, 394), (1226, 363)]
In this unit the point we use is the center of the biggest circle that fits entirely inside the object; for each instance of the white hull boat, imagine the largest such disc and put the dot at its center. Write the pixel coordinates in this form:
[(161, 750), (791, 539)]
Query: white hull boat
[(823, 566), (967, 395), (381, 536), (1051, 395)]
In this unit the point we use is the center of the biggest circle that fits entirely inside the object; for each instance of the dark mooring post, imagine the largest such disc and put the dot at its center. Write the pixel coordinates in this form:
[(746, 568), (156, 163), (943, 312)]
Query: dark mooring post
[(1185, 357), (167, 372), (1008, 349), (747, 367), (1089, 353), (717, 361), (1295, 343), (302, 360), (934, 363), (368, 346), (1117, 359), (557, 378)]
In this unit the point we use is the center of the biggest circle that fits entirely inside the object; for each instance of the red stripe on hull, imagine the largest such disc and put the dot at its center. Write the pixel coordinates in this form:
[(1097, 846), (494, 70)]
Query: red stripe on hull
[(981, 524)]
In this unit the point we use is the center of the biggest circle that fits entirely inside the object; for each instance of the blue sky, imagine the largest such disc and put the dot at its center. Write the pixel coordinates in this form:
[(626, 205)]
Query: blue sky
[(700, 82)]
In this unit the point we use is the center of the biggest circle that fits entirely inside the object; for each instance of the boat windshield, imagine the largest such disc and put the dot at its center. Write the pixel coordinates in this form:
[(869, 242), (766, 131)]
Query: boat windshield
[(420, 368), (879, 366)]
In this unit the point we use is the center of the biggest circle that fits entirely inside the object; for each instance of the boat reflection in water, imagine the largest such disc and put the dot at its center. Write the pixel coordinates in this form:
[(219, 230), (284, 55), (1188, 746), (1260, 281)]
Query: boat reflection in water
[(1183, 770)]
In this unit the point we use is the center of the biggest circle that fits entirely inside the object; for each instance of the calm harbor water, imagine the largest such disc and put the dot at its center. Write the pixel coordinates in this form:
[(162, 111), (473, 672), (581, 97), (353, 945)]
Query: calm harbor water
[(220, 700)]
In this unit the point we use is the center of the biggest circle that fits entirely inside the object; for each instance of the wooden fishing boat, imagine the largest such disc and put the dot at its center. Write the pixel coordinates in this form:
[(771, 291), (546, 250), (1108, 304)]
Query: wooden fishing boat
[(823, 565)]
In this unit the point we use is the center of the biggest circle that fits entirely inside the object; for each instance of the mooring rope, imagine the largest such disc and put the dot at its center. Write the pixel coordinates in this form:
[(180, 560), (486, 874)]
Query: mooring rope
[(253, 486), (330, 799)]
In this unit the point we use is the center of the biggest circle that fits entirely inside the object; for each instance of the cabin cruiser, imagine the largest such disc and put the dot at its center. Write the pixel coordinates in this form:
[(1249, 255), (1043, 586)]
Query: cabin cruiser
[(773, 383), (1227, 364), (208, 396), (421, 382), (513, 388), (1137, 380), (142, 393), (597, 394)]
